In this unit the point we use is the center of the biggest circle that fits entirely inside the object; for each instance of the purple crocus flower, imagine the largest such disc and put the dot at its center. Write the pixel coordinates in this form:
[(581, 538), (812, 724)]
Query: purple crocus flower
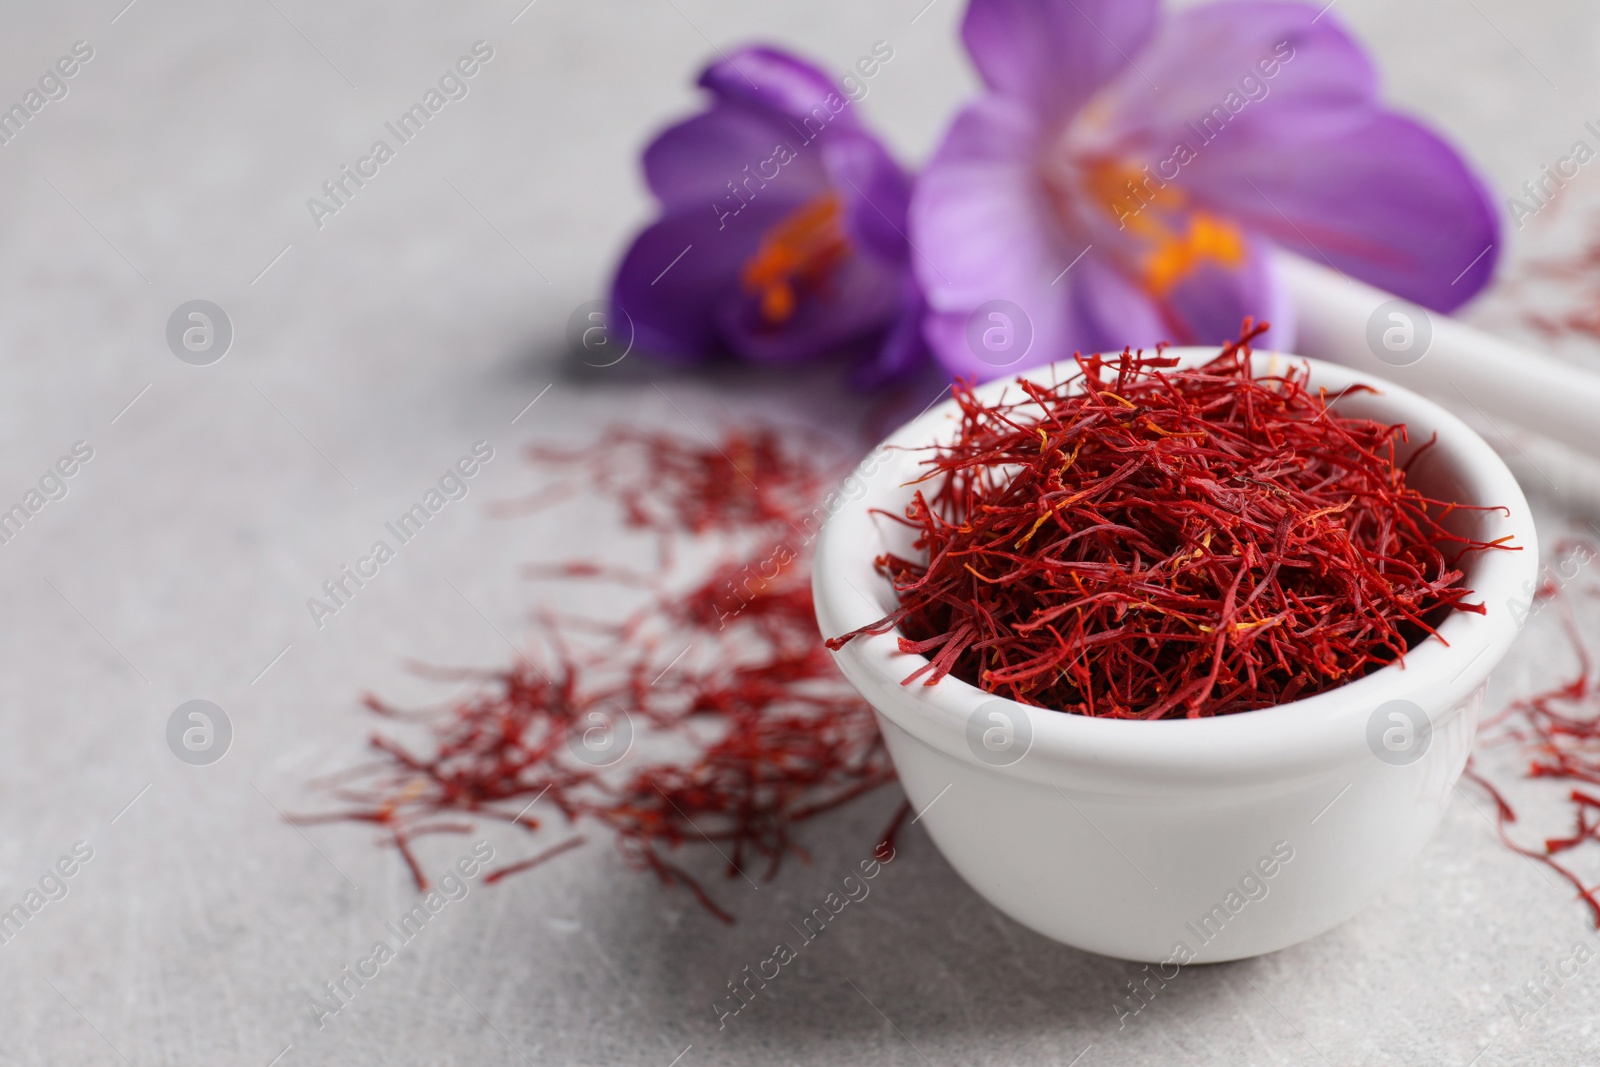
[(1125, 176), (782, 229)]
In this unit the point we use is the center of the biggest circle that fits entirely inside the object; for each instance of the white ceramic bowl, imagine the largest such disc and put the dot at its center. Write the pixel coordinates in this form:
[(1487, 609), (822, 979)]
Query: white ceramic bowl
[(1186, 840)]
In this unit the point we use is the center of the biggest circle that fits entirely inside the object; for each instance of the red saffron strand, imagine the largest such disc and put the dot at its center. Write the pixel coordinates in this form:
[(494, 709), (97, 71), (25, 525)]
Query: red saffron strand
[(1141, 541)]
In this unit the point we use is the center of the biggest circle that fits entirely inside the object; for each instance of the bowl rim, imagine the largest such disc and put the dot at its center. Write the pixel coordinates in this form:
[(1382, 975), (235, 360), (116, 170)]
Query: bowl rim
[(1303, 736)]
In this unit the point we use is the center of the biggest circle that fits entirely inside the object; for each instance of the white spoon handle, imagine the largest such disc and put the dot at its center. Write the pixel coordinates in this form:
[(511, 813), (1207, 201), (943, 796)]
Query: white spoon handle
[(1462, 367)]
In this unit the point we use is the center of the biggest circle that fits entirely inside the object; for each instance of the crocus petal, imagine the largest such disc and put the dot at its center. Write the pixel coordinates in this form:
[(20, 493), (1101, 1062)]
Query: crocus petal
[(677, 272), (772, 80), (981, 231), (903, 349), (1389, 203), (1238, 70), (875, 191), (1208, 305), (980, 223), (1113, 312), (698, 159), (1054, 54), (877, 198)]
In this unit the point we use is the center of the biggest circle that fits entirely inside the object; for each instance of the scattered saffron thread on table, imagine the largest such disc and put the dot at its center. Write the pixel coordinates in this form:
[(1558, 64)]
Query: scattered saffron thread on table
[(1578, 277), (770, 734), (1139, 541), (1558, 731)]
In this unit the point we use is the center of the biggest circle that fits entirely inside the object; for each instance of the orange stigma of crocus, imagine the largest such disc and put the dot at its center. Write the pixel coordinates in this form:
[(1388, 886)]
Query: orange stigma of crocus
[(1172, 238), (1207, 240), (799, 253)]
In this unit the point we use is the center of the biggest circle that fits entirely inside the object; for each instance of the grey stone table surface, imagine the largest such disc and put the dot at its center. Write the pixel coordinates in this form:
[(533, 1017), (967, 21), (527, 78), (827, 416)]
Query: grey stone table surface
[(372, 351)]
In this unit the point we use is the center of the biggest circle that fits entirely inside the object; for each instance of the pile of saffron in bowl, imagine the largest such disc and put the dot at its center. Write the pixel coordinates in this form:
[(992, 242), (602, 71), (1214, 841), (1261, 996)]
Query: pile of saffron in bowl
[(1141, 541)]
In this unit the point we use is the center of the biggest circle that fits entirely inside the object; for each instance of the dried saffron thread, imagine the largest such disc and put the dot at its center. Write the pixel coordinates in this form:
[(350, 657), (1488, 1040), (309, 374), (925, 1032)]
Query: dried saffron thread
[(728, 669), (1139, 541)]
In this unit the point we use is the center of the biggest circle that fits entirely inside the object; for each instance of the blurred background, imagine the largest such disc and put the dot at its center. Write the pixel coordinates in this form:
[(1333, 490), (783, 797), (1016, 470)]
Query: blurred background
[(367, 354)]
